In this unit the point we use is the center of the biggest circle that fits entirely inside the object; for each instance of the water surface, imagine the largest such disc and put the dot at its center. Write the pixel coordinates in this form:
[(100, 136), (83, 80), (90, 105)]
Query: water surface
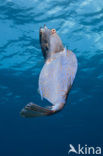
[(80, 25)]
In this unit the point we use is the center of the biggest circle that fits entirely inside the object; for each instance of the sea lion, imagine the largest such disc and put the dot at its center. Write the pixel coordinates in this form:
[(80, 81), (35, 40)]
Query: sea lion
[(57, 74)]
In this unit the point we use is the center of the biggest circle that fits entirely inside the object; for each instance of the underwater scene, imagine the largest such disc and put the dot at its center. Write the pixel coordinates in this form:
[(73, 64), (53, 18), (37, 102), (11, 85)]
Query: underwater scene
[(79, 23)]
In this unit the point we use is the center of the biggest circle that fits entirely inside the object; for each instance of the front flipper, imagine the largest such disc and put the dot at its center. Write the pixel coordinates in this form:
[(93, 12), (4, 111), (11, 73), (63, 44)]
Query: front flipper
[(33, 110)]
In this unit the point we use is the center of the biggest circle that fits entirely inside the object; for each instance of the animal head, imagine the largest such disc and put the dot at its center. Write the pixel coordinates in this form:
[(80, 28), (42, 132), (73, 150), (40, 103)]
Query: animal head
[(50, 42)]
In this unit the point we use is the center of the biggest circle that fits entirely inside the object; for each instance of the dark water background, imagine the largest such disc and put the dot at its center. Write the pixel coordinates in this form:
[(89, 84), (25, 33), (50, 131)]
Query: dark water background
[(80, 25)]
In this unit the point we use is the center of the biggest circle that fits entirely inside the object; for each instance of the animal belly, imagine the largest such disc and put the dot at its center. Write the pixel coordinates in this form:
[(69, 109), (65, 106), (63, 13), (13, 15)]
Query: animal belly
[(54, 82)]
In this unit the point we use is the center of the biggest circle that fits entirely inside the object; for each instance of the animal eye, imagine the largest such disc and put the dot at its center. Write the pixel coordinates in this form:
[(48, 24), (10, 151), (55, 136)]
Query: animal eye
[(53, 31)]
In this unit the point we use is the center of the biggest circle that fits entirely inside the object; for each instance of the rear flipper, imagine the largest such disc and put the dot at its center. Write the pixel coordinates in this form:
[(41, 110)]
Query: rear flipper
[(33, 110)]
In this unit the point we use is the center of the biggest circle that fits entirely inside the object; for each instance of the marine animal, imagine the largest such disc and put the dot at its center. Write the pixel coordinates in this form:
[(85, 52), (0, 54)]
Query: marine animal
[(56, 77)]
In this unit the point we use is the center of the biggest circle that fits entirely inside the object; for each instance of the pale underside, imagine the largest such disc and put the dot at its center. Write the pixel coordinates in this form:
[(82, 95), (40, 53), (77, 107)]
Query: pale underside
[(56, 77)]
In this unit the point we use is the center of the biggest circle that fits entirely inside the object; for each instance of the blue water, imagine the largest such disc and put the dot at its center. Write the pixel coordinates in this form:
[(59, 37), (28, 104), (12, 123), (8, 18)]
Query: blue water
[(80, 25)]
